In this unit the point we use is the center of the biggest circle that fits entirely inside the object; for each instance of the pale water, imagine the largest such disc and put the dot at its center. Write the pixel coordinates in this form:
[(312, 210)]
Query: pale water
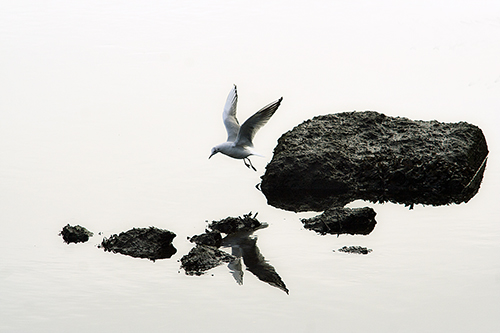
[(108, 111)]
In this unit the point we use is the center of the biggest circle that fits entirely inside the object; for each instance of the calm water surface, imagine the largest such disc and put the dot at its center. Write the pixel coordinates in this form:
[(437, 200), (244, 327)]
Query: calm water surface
[(108, 112)]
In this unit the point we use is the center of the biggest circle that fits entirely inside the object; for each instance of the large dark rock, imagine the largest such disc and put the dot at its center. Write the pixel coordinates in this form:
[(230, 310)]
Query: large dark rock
[(151, 243), (334, 159)]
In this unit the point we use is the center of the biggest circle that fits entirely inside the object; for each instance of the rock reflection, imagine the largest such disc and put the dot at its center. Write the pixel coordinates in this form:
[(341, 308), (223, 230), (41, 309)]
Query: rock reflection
[(244, 251)]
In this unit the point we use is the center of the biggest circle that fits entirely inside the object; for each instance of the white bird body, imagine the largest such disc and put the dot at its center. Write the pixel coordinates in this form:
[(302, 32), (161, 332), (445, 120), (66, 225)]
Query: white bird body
[(239, 138), (232, 150)]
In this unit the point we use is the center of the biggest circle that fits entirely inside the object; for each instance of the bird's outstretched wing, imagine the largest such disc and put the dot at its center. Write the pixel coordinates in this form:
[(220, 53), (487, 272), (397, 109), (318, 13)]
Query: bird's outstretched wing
[(251, 125), (229, 115)]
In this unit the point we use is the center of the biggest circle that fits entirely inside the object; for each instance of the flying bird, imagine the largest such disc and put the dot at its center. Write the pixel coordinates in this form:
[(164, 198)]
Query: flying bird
[(239, 138)]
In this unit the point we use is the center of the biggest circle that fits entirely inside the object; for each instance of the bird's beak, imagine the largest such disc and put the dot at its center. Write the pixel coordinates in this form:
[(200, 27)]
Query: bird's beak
[(212, 154)]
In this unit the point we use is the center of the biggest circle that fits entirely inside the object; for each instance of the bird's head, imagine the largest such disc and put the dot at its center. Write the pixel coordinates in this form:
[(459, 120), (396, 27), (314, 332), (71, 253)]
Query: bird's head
[(215, 150)]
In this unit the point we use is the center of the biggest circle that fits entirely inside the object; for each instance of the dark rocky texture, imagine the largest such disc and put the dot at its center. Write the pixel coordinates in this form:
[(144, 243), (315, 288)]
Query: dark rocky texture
[(334, 159), (201, 258), (151, 243), (210, 238), (75, 234), (338, 220), (355, 249), (230, 225), (206, 254)]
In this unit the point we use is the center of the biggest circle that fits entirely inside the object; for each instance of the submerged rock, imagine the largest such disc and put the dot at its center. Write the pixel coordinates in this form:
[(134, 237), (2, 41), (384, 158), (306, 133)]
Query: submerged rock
[(334, 159), (75, 234), (338, 220), (151, 243), (355, 249)]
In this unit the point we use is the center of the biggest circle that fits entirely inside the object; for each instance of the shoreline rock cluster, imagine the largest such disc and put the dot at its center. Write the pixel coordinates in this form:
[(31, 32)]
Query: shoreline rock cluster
[(322, 165), (244, 251)]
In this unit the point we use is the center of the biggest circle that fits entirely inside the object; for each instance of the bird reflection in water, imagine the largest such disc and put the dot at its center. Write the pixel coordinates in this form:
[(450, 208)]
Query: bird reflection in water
[(244, 246)]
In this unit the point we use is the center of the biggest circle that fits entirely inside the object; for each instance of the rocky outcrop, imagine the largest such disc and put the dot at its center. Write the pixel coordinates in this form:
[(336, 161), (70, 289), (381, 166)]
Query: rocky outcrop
[(339, 220), (334, 159), (210, 238), (75, 234), (244, 251), (231, 225), (151, 243), (201, 258)]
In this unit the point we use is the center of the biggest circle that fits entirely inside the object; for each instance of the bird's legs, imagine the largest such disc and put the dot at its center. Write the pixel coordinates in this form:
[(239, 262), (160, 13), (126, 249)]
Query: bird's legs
[(249, 164)]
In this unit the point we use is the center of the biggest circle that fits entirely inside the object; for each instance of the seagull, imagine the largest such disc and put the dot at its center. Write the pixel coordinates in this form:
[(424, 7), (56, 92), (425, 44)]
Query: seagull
[(239, 138)]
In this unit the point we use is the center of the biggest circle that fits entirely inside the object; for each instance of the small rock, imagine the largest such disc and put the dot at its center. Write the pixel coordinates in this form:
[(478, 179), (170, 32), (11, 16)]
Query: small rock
[(151, 243), (336, 220), (231, 225), (75, 234), (201, 258), (210, 238), (355, 249)]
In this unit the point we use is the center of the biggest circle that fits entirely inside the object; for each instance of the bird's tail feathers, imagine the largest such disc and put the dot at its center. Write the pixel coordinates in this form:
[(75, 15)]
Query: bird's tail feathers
[(254, 153)]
